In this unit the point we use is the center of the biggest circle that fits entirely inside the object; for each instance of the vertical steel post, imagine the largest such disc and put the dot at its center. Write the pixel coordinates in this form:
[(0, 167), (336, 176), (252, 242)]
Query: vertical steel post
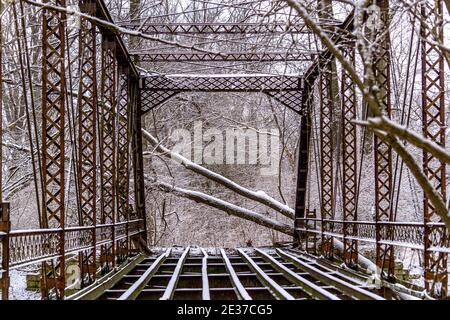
[(138, 161), (5, 228), (326, 149), (1, 106), (107, 146), (349, 159), (4, 213), (123, 149), (53, 122), (87, 137), (434, 125), (302, 167), (383, 151)]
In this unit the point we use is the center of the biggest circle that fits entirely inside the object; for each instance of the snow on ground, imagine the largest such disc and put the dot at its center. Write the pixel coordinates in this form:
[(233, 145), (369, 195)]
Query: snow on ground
[(18, 286)]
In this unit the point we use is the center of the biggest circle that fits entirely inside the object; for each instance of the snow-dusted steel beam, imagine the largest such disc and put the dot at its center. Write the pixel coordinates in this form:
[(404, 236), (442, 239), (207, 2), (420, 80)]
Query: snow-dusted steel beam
[(170, 290), (183, 56), (239, 288), (215, 28), (109, 280), (205, 281), (275, 288), (136, 288), (309, 287), (339, 284)]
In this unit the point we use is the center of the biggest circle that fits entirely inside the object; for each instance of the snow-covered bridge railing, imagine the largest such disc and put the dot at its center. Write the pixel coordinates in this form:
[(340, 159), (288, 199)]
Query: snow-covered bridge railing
[(400, 234), (32, 246)]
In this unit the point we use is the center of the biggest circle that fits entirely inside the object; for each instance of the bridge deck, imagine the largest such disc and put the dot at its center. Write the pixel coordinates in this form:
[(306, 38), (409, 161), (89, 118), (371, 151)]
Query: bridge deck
[(245, 274)]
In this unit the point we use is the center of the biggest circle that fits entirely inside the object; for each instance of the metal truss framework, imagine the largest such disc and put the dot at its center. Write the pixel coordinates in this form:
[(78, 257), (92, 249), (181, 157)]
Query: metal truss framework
[(385, 233), (87, 139), (285, 89), (113, 117), (109, 128), (349, 159), (215, 28), (107, 134), (434, 124), (383, 151), (53, 150), (147, 56), (123, 149), (326, 159)]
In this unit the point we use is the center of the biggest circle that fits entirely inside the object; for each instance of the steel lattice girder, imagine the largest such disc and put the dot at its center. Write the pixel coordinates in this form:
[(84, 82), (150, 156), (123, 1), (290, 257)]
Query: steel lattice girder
[(146, 56), (53, 101), (123, 149), (349, 156), (383, 151), (286, 89), (215, 28), (326, 149), (87, 138), (433, 120), (107, 144)]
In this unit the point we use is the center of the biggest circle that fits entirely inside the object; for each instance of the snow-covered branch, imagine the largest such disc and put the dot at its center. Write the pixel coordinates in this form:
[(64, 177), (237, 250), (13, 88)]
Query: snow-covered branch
[(224, 206), (435, 199), (258, 196), (389, 126)]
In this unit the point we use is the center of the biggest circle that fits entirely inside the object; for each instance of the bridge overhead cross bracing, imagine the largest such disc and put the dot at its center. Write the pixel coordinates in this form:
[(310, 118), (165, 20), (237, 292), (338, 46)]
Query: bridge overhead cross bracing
[(286, 89)]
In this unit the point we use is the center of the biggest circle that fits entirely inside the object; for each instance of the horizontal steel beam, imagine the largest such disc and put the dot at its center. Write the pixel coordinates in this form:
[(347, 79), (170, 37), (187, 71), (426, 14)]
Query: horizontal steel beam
[(215, 28), (287, 89), (315, 291), (123, 55), (133, 292), (240, 290), (145, 56), (109, 280), (205, 280), (172, 285), (278, 291), (223, 82), (345, 287)]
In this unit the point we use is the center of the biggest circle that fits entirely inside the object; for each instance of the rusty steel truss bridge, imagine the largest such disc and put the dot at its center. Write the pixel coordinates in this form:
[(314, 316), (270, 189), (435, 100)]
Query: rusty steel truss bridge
[(109, 242)]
